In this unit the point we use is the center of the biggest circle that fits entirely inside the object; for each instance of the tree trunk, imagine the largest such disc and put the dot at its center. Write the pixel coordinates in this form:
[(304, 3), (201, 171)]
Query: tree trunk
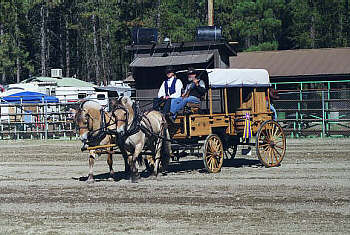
[(42, 41), (312, 24), (97, 69), (47, 43), (18, 65), (158, 15), (347, 23), (103, 61), (3, 75), (62, 21), (67, 51), (108, 57), (312, 31), (18, 69)]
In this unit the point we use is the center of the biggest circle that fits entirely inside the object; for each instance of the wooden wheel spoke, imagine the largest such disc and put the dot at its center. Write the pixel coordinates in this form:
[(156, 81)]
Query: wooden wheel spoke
[(269, 132), (216, 146), (276, 151), (266, 154), (275, 155), (278, 141), (276, 129), (208, 156), (210, 147), (271, 155), (263, 145), (215, 163), (277, 134), (210, 164), (279, 147)]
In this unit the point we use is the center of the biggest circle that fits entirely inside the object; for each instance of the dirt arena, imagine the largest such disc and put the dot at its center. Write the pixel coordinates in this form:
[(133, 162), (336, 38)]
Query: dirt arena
[(42, 191)]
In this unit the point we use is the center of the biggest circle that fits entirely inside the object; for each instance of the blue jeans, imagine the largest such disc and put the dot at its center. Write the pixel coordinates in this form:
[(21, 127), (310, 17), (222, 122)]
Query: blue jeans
[(273, 110), (179, 103)]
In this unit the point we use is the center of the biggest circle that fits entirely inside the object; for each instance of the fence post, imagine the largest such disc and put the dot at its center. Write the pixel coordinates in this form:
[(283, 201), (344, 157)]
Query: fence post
[(45, 119), (323, 116)]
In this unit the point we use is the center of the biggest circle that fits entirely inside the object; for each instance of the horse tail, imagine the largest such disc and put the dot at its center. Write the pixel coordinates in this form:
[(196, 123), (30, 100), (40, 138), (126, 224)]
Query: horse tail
[(166, 148)]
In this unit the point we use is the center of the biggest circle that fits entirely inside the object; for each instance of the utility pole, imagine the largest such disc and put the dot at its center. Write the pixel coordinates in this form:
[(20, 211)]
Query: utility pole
[(210, 12)]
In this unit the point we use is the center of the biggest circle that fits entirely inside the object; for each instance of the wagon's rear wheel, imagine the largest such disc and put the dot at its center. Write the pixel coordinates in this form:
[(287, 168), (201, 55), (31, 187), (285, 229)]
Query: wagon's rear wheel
[(270, 143), (213, 154)]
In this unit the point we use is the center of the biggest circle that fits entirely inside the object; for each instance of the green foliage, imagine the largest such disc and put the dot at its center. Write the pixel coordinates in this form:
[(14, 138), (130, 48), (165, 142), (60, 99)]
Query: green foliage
[(71, 43), (265, 46)]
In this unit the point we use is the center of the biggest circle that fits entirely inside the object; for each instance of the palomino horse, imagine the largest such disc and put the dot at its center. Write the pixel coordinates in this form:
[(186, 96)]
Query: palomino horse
[(141, 131), (94, 125)]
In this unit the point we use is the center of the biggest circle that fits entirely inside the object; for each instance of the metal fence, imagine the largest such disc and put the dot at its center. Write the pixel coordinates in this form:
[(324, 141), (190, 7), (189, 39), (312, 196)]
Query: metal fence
[(317, 112), (36, 121)]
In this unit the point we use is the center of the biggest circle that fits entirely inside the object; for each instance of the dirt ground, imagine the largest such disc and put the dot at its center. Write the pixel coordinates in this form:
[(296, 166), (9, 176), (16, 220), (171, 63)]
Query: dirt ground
[(42, 191)]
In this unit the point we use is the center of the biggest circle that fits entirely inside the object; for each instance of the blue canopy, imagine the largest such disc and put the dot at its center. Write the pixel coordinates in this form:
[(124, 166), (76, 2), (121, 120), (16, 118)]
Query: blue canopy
[(30, 97)]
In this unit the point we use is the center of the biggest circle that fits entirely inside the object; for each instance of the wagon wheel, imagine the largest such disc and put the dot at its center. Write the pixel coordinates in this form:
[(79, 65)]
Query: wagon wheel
[(270, 143), (213, 154)]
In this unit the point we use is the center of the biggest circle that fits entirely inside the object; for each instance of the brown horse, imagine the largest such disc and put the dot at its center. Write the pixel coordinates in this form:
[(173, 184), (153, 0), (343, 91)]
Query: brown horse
[(141, 131), (95, 125)]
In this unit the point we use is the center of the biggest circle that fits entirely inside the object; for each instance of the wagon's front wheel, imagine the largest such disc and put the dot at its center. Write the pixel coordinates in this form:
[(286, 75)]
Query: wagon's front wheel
[(270, 143), (213, 154)]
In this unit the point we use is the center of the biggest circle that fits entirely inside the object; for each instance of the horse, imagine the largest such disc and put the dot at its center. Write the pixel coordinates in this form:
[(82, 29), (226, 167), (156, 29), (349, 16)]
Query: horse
[(95, 128), (138, 131)]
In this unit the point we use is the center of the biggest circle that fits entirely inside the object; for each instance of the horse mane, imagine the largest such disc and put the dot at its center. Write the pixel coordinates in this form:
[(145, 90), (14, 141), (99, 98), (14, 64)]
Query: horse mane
[(127, 103), (89, 104)]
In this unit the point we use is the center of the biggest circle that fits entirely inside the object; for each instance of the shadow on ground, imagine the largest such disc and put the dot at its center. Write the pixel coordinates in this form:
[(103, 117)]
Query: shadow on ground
[(176, 167)]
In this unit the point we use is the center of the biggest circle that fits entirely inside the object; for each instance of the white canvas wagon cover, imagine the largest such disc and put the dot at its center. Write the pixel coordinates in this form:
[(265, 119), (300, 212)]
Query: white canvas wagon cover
[(238, 78)]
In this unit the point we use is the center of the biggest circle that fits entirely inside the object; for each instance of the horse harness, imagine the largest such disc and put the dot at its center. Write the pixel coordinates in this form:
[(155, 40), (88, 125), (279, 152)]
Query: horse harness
[(94, 139), (136, 125)]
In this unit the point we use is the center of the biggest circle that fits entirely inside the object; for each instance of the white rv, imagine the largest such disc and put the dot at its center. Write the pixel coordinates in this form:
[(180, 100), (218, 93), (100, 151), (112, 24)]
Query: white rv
[(69, 89)]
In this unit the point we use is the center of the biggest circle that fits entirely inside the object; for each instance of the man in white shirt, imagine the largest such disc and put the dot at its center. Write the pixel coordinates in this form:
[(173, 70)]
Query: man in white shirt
[(170, 89)]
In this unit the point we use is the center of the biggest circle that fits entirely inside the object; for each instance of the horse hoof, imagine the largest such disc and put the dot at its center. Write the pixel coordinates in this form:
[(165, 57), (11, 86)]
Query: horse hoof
[(90, 181), (111, 178), (134, 180), (153, 177)]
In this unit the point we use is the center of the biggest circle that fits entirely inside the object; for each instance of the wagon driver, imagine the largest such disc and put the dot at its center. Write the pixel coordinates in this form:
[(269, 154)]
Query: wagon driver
[(170, 89), (193, 93)]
